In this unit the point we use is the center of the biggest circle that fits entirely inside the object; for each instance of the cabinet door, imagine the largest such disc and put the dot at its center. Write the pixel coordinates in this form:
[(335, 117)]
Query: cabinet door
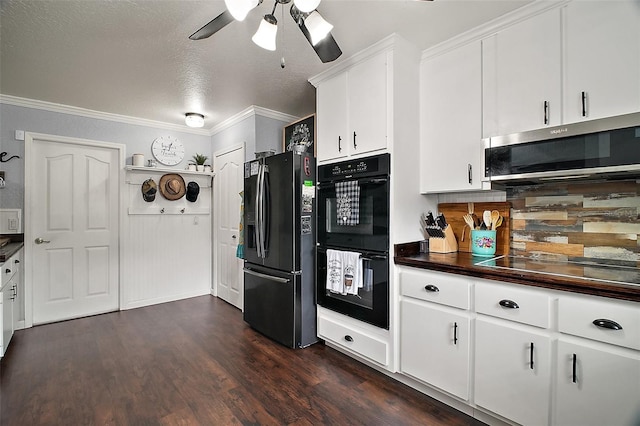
[(511, 379), (602, 59), (434, 346), (597, 386), (367, 105), (7, 315), (522, 74), (451, 120), (18, 301), (332, 118)]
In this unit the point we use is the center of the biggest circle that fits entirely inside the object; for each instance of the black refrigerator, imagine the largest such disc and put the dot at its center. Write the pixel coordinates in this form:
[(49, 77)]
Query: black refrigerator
[(279, 253)]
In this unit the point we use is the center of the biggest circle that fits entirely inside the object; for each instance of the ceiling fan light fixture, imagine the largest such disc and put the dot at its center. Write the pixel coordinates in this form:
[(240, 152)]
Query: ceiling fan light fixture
[(193, 119), (265, 37), (306, 6), (240, 8), (317, 26)]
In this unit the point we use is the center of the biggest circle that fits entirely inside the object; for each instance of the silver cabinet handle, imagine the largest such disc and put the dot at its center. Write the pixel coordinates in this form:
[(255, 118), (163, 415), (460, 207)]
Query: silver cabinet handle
[(546, 112), (41, 241)]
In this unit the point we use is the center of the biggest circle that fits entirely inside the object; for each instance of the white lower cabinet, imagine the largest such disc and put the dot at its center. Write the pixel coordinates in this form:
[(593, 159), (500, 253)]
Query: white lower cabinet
[(435, 345), (6, 315), (597, 385), (513, 371), (526, 355)]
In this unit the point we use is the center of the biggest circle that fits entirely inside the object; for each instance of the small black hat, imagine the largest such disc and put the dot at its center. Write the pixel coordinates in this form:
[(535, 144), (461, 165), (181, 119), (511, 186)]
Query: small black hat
[(149, 189), (193, 189)]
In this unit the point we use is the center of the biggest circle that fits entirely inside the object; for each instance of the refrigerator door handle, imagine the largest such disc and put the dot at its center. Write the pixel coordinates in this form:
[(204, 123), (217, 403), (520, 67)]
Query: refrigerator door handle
[(267, 277), (259, 195)]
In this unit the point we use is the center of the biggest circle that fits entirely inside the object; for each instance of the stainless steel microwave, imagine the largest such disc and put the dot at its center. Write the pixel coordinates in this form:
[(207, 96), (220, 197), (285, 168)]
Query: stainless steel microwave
[(603, 147)]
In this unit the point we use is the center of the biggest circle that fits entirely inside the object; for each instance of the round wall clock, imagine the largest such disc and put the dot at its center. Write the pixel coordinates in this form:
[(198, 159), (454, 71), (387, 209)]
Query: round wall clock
[(168, 150)]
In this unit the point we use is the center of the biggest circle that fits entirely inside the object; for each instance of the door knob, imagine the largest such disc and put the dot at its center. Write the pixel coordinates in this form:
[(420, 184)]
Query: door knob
[(41, 241), (233, 236)]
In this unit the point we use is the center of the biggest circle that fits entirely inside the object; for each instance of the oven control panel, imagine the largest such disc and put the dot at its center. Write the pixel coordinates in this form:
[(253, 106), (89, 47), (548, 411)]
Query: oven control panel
[(377, 165)]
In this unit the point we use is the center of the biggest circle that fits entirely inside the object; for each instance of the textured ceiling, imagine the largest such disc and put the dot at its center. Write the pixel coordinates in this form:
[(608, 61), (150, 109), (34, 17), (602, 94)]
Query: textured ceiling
[(134, 58)]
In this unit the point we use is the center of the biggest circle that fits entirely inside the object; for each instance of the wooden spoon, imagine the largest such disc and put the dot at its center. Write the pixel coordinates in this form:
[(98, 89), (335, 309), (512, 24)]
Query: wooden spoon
[(499, 222), (495, 214)]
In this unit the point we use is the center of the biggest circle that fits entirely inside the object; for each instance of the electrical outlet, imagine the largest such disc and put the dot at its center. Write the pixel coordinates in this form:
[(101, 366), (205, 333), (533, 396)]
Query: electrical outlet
[(13, 224)]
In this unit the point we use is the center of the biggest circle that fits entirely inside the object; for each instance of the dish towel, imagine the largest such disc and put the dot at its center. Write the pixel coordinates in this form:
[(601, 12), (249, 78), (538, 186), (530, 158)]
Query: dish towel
[(352, 272), (335, 282), (348, 203)]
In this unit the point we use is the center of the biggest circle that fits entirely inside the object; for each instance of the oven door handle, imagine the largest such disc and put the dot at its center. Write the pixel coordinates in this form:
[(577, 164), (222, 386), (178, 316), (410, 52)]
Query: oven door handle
[(331, 184), (363, 255), (366, 256)]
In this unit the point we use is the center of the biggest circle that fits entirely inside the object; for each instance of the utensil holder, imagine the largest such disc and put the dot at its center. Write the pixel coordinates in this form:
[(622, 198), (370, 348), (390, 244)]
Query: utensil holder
[(448, 244), (483, 243)]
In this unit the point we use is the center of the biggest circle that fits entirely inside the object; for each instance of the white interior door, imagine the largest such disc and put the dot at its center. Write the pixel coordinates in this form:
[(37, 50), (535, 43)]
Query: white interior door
[(228, 184), (73, 191)]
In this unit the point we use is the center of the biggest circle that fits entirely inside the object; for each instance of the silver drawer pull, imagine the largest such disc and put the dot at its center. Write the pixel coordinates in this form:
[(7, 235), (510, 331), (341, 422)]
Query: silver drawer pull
[(607, 323)]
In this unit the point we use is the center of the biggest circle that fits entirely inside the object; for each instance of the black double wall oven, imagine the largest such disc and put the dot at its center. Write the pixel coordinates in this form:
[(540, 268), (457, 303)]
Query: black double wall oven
[(363, 229)]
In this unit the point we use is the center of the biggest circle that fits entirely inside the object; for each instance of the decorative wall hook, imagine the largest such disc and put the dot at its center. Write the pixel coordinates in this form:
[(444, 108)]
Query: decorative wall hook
[(4, 154)]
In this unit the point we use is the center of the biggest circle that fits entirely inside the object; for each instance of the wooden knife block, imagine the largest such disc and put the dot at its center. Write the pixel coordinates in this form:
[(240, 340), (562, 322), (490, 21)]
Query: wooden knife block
[(448, 244)]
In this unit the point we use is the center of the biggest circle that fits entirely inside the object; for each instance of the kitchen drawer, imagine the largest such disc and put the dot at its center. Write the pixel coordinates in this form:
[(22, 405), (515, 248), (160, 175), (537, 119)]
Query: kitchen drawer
[(437, 287), (514, 303), (576, 315), (353, 340)]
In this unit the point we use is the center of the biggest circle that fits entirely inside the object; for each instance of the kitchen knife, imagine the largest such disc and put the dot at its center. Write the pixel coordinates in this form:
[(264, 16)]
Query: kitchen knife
[(430, 220)]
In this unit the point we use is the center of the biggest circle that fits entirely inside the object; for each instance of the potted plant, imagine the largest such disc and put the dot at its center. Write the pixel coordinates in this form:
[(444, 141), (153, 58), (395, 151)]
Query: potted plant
[(200, 159)]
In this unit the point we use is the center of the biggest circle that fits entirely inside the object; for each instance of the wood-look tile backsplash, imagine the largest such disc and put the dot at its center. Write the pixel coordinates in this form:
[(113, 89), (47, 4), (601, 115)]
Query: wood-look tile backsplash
[(595, 219)]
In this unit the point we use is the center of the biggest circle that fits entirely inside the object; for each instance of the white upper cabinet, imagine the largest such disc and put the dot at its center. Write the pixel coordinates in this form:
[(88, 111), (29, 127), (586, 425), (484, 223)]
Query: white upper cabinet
[(567, 64), (352, 110), (331, 100), (602, 60), (450, 120), (367, 98), (522, 76)]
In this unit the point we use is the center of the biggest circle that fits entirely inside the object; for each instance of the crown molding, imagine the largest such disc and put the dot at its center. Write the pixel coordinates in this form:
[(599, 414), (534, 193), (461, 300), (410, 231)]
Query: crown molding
[(495, 25), (385, 44), (82, 112), (250, 112)]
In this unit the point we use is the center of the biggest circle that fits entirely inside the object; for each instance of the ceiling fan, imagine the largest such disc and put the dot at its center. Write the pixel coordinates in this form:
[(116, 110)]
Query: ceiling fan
[(316, 30)]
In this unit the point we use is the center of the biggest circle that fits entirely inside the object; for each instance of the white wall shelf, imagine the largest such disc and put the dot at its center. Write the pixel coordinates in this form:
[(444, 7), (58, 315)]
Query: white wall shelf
[(166, 170)]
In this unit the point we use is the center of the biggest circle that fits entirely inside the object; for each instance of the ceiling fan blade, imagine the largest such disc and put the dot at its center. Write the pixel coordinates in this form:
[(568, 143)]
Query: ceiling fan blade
[(215, 25), (327, 49)]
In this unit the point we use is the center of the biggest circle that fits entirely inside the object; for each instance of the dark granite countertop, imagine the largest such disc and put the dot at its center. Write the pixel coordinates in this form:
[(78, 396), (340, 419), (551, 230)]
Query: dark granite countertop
[(16, 243), (467, 264)]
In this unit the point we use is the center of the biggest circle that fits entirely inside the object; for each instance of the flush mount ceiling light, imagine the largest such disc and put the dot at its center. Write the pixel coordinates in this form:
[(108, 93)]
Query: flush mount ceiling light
[(193, 119), (314, 27)]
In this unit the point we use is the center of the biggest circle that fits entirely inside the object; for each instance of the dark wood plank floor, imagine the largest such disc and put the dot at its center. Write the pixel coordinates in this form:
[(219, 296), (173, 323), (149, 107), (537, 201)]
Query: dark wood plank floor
[(194, 362)]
